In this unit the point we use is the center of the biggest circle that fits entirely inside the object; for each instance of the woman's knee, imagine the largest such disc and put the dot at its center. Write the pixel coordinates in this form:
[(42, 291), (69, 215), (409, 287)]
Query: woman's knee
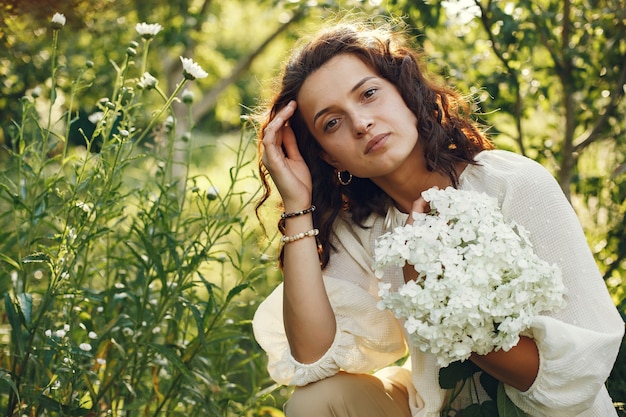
[(342, 395)]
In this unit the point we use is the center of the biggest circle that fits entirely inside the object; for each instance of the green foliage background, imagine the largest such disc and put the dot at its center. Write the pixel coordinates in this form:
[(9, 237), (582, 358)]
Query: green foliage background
[(547, 76)]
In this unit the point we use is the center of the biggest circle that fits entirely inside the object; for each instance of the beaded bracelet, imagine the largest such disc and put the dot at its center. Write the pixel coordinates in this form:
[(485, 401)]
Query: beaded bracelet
[(297, 213), (301, 235)]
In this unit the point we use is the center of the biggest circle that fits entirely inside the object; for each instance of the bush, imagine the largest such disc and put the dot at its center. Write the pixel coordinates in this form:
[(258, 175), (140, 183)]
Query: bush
[(126, 284)]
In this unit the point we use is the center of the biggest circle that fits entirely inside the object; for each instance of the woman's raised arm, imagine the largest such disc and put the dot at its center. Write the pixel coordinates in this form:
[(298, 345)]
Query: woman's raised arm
[(308, 317)]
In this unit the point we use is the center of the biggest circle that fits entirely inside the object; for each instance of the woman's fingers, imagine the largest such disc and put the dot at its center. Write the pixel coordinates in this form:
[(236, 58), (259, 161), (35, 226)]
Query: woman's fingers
[(271, 134), (419, 206), (283, 160), (277, 134), (290, 144)]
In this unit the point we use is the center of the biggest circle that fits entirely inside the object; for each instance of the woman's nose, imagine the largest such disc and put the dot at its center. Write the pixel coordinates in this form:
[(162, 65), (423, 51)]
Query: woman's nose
[(362, 125)]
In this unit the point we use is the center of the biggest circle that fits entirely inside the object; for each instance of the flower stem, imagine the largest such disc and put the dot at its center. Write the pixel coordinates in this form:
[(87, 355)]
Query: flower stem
[(144, 55), (166, 106), (46, 135)]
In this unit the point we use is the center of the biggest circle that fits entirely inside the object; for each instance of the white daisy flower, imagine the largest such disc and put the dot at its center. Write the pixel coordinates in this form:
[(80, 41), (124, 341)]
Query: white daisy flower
[(58, 21), (147, 81), (148, 30), (95, 117), (191, 70)]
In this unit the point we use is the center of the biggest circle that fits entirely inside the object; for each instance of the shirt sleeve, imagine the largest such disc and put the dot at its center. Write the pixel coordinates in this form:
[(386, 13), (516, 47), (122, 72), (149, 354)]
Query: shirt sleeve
[(367, 337), (578, 344), (574, 364)]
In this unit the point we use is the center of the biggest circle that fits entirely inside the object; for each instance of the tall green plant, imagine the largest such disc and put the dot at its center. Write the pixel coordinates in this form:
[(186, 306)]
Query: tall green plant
[(124, 286)]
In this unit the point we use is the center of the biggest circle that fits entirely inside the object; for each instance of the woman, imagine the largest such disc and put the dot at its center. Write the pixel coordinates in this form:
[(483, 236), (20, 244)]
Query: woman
[(353, 137)]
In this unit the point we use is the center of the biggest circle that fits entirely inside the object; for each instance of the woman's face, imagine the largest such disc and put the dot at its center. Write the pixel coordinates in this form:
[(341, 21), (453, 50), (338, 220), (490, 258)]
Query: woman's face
[(360, 119)]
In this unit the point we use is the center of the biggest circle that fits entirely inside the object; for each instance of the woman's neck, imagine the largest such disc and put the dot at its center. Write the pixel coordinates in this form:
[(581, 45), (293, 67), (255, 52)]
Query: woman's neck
[(405, 193), (406, 186)]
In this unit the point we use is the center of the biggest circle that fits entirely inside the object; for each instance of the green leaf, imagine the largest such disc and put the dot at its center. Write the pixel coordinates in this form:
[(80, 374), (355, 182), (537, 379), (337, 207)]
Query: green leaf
[(490, 384), (172, 357), (15, 322), (506, 408), (10, 261), (66, 410), (485, 409), (236, 290), (36, 258), (25, 302), (211, 303), (472, 410), (489, 409), (5, 378), (199, 323), (153, 253), (456, 372), (41, 208)]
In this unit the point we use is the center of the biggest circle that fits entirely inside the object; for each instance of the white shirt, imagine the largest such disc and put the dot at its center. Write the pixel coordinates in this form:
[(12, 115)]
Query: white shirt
[(577, 344)]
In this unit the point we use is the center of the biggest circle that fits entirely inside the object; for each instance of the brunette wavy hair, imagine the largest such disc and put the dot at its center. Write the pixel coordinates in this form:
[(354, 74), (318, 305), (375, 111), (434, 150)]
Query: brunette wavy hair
[(444, 126)]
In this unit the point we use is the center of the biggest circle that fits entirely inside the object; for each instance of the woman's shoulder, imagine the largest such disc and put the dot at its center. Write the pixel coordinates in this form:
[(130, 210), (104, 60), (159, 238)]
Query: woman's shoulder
[(504, 174), (507, 160), (505, 167)]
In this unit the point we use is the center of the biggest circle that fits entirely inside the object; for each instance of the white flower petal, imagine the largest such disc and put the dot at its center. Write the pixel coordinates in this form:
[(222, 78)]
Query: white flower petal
[(147, 81), (58, 20), (148, 30), (191, 70)]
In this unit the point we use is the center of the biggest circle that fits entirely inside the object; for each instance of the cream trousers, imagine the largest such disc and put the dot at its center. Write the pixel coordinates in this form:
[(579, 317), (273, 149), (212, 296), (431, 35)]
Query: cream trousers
[(349, 395)]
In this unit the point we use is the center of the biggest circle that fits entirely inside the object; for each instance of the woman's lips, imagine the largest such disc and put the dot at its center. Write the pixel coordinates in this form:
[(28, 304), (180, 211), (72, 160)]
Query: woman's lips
[(376, 143)]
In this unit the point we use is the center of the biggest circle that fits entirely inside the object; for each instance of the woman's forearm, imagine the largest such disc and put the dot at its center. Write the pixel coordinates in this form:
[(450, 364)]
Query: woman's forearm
[(517, 367), (308, 317)]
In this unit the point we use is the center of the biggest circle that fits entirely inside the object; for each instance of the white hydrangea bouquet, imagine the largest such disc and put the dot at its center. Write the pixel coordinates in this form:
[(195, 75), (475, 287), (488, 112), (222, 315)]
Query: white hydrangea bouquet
[(479, 281)]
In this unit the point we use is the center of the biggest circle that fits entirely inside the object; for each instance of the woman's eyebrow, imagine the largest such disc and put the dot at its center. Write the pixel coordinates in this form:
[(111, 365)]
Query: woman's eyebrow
[(361, 82), (352, 90)]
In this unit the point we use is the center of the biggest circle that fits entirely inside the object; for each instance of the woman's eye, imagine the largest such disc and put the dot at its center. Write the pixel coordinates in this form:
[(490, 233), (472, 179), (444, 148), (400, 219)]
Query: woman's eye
[(330, 125), (369, 92)]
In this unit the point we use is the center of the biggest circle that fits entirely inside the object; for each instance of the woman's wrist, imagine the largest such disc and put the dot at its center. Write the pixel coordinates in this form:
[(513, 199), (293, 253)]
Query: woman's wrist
[(290, 214), (296, 218), (296, 206)]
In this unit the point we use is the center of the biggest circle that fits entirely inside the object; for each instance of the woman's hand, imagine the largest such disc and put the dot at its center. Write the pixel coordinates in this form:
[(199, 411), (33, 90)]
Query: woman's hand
[(419, 206), (284, 162)]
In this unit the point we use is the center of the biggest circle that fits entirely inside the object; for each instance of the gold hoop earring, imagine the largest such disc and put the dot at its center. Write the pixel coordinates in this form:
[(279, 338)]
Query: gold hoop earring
[(341, 180)]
